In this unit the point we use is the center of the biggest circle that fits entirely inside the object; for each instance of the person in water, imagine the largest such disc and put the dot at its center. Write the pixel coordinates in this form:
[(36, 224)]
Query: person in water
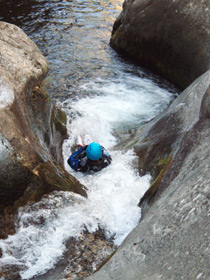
[(90, 158)]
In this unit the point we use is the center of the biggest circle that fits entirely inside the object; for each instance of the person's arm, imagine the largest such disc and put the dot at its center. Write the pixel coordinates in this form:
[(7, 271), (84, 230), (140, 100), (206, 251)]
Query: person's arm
[(106, 157), (75, 158)]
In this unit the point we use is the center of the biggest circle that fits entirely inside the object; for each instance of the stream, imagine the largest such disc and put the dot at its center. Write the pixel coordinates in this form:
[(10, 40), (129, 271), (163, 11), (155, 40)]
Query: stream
[(104, 96)]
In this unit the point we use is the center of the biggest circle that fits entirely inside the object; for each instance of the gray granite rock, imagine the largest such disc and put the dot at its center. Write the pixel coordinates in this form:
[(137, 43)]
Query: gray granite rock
[(170, 37), (172, 240), (32, 129)]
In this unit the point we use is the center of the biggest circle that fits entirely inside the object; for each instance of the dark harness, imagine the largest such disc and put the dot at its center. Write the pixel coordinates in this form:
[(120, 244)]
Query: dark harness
[(80, 162)]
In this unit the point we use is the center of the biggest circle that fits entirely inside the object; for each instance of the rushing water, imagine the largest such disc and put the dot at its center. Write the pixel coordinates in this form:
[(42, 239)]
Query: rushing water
[(104, 96)]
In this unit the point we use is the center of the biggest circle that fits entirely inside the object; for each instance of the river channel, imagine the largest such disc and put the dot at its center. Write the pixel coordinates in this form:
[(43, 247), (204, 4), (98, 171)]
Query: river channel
[(105, 96)]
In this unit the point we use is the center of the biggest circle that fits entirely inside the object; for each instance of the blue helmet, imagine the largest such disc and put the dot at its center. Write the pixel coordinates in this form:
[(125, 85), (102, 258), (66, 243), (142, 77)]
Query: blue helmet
[(94, 151)]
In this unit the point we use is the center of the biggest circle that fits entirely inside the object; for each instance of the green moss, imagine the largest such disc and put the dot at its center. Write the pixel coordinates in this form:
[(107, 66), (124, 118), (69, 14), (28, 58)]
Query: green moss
[(163, 164), (114, 36), (119, 40), (55, 178), (61, 115), (60, 121)]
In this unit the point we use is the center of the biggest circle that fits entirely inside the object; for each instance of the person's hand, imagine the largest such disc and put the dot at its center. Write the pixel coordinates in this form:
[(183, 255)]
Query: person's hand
[(109, 159)]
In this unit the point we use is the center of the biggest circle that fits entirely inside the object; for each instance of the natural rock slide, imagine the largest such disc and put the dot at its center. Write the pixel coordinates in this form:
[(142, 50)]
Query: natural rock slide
[(31, 129), (172, 239)]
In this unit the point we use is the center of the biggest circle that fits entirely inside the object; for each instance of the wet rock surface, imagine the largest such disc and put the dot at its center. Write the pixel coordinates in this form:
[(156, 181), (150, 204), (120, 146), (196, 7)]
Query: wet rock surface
[(170, 37), (10, 272), (91, 251), (32, 129), (172, 239), (83, 256), (172, 136)]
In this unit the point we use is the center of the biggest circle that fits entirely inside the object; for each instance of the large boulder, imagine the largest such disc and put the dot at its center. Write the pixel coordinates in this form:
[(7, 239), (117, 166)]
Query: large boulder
[(32, 129), (170, 37), (164, 143), (172, 239)]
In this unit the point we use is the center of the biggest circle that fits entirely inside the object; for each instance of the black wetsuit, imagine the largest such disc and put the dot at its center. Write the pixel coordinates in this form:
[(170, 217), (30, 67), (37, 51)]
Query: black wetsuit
[(80, 162)]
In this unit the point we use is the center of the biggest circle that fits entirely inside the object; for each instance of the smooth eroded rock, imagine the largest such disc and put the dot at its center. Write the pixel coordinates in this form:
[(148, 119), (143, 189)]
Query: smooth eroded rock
[(172, 239), (32, 129), (170, 37)]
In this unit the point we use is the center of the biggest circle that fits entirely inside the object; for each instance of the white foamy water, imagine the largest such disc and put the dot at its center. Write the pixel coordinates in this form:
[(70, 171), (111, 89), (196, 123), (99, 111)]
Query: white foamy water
[(113, 193)]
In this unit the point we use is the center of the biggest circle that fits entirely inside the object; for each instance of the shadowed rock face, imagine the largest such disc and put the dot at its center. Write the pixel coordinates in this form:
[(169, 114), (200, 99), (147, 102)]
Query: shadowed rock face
[(205, 105), (31, 129), (170, 37), (174, 135), (84, 255), (172, 239)]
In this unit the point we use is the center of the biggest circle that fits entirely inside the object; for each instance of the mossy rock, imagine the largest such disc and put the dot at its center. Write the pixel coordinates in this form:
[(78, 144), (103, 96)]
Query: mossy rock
[(59, 119), (153, 156), (56, 178), (163, 164)]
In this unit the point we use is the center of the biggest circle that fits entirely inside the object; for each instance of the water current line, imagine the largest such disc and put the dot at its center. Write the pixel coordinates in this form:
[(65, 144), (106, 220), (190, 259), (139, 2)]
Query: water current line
[(103, 96), (113, 193)]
